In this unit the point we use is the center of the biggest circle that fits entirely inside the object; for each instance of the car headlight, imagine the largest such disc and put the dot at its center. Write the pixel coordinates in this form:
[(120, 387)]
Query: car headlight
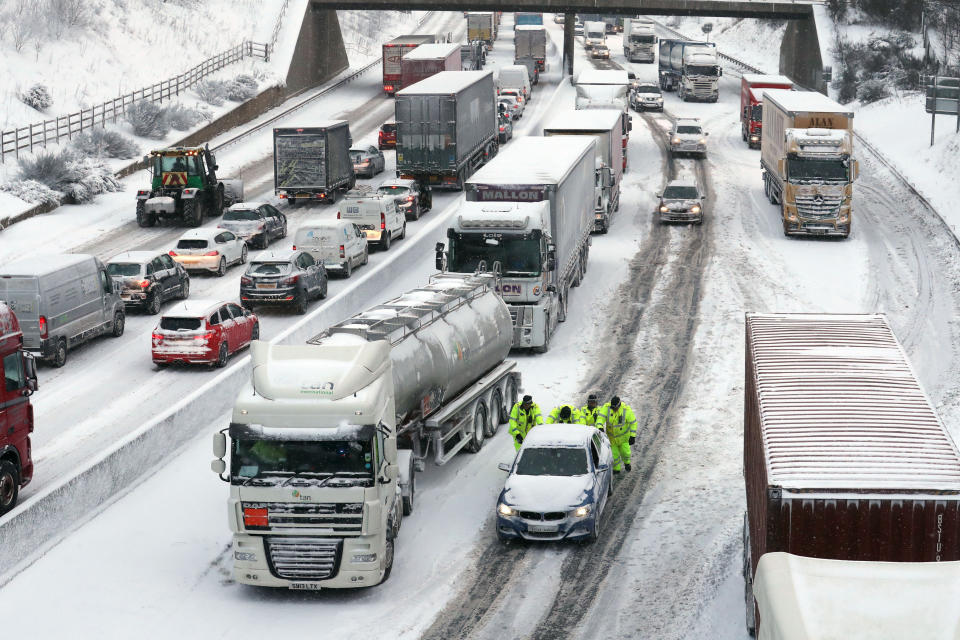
[(506, 510), (676, 141), (664, 208), (659, 98), (364, 557), (703, 141), (695, 209), (581, 512)]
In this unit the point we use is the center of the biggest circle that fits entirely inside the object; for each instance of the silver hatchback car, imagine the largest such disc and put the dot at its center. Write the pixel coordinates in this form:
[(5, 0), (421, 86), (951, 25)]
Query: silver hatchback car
[(688, 137)]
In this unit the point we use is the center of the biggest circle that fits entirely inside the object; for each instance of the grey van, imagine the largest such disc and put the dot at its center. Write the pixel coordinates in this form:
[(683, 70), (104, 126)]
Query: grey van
[(61, 301)]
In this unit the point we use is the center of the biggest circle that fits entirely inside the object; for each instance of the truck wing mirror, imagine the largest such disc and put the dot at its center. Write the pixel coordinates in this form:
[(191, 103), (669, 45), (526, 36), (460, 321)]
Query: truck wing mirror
[(503, 466), (219, 445), (856, 169), (552, 288), (392, 472), (218, 466), (30, 369)]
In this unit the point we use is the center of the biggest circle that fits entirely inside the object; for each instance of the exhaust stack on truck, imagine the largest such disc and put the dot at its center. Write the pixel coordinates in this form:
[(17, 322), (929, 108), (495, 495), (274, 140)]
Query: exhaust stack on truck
[(844, 456), (326, 437), (807, 161)]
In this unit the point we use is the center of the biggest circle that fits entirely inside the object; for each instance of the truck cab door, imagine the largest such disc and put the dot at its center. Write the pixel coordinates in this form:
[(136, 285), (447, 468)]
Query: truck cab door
[(16, 419)]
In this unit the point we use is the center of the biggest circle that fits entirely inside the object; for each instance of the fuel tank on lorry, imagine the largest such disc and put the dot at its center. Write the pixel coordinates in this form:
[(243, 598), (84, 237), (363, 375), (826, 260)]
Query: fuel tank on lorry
[(444, 337)]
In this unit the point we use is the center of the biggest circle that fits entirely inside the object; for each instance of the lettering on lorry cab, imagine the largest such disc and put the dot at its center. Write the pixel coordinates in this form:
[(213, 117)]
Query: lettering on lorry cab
[(515, 194)]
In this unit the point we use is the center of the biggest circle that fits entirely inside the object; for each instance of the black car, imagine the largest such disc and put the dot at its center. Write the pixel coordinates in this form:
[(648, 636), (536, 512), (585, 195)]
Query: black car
[(410, 197), (148, 279), (290, 277), (256, 222)]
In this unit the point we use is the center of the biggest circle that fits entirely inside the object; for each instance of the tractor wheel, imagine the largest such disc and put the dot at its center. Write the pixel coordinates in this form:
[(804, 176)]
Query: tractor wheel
[(193, 212), (144, 219), (217, 209)]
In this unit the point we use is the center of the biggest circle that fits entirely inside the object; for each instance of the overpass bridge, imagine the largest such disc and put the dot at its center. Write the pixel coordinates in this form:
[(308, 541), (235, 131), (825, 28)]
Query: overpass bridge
[(800, 53)]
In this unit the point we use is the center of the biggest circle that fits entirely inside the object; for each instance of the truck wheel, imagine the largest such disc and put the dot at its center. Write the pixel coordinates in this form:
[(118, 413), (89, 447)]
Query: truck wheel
[(144, 219), (479, 429), (546, 338), (119, 321), (749, 601), (496, 414), (387, 561), (408, 500), (564, 302), (9, 486), (60, 353)]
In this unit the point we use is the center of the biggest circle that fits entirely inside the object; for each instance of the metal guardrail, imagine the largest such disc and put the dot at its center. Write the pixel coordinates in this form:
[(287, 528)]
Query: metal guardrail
[(40, 134)]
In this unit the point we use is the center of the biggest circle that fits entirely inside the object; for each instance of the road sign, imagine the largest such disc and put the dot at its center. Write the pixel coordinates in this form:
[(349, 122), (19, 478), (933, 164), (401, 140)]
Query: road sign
[(943, 96)]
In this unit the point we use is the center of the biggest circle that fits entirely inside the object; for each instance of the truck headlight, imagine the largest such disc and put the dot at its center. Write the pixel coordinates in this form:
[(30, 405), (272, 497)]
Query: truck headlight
[(364, 557), (244, 556), (581, 512), (676, 141), (506, 510), (702, 141), (664, 208), (695, 209)]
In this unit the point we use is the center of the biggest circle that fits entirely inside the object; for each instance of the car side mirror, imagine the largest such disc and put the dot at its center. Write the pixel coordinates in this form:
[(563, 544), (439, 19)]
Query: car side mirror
[(504, 466), (707, 133), (602, 467), (247, 312), (660, 195)]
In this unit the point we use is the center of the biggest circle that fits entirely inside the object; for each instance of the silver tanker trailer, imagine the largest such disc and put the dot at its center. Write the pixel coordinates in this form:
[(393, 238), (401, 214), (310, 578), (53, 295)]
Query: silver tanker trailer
[(325, 438)]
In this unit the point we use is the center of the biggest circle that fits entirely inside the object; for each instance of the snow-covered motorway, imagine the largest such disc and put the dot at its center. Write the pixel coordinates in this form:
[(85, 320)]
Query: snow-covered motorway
[(659, 318)]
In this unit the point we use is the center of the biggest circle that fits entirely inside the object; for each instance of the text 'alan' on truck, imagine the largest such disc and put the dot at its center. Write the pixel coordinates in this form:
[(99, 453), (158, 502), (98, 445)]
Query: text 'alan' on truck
[(326, 438), (184, 186), (532, 223)]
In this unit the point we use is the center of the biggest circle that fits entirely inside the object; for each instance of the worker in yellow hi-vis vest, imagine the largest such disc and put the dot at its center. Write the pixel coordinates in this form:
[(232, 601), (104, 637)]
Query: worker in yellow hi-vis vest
[(618, 420)]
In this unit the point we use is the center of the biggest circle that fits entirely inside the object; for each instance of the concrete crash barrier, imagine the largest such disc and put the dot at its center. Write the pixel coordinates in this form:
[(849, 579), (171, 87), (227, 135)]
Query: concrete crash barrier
[(43, 520)]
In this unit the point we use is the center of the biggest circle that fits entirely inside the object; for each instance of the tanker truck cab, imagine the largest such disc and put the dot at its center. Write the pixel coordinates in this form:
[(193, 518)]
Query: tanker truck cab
[(314, 497)]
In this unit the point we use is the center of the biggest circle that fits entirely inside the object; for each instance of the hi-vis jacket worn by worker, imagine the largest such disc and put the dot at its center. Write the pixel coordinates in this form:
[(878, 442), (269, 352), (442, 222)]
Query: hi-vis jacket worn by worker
[(521, 421), (575, 417), (620, 425)]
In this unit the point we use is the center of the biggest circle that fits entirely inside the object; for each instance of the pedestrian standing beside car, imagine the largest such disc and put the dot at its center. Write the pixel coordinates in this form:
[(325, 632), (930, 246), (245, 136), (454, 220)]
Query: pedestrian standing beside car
[(524, 415), (620, 423)]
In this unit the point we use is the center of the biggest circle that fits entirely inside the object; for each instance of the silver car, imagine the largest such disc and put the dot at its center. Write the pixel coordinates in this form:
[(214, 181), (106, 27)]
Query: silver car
[(681, 201), (688, 137)]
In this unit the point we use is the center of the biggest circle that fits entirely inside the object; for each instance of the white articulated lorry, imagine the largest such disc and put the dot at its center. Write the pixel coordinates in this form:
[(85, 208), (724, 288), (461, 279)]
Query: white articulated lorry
[(606, 89), (605, 126), (326, 437), (639, 40), (528, 215)]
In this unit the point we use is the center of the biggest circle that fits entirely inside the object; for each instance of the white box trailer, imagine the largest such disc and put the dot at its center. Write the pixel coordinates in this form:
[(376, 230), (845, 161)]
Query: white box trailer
[(605, 125), (530, 210), (804, 598)]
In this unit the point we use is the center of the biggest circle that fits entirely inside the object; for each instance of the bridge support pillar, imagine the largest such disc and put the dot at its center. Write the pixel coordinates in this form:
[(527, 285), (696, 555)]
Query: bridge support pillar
[(319, 54), (800, 58), (568, 21)]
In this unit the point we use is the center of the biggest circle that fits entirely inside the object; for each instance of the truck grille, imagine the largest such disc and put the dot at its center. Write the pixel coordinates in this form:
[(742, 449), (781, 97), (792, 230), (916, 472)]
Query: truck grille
[(304, 558), (702, 88), (818, 207), (342, 519)]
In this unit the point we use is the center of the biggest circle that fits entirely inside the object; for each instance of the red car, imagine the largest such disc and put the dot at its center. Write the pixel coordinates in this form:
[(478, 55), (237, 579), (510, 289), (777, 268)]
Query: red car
[(203, 331), (387, 138)]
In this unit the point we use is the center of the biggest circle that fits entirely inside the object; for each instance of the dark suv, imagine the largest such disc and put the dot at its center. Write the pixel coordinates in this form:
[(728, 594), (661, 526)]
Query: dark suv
[(285, 277), (256, 222), (148, 279), (410, 196)]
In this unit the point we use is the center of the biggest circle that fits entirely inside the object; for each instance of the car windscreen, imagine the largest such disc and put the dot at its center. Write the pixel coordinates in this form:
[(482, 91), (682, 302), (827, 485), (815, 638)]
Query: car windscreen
[(688, 128), (392, 190), (121, 269), (252, 458), (192, 243), (268, 268), (241, 214), (180, 324), (648, 88), (680, 193), (356, 156), (552, 461)]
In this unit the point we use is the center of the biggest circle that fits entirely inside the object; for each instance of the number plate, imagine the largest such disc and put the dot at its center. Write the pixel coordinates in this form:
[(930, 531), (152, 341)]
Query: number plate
[(305, 586), (266, 285), (542, 528)]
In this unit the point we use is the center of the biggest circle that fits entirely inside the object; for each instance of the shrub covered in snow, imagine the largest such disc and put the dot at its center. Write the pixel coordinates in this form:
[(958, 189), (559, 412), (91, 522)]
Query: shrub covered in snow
[(870, 70), (38, 96), (67, 173), (184, 118), (242, 88), (148, 119), (32, 191), (872, 90), (105, 143), (212, 91)]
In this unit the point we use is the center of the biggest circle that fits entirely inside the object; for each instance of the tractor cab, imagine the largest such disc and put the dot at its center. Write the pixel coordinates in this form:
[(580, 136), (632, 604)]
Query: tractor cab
[(181, 167)]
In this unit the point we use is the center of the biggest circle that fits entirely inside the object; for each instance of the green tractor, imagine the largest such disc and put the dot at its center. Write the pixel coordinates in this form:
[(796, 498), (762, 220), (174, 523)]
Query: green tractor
[(185, 186)]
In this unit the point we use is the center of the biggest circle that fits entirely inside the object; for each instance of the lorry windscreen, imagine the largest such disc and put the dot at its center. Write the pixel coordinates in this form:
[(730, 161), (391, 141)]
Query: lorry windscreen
[(815, 169), (701, 70), (251, 458), (641, 39), (519, 256)]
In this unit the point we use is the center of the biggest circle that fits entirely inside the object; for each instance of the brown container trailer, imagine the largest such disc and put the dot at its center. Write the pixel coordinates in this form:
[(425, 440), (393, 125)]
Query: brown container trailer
[(844, 456)]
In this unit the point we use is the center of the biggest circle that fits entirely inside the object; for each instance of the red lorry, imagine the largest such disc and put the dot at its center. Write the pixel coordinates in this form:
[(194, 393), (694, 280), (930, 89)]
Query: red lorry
[(428, 59), (393, 53), (16, 413), (844, 456), (751, 103)]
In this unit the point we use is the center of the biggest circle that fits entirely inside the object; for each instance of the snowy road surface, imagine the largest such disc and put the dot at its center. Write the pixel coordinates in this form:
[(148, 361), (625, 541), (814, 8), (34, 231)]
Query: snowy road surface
[(659, 318)]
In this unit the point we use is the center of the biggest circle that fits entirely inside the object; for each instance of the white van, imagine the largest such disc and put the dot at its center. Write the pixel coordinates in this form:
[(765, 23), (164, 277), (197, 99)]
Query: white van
[(339, 245), (514, 76), (377, 216)]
